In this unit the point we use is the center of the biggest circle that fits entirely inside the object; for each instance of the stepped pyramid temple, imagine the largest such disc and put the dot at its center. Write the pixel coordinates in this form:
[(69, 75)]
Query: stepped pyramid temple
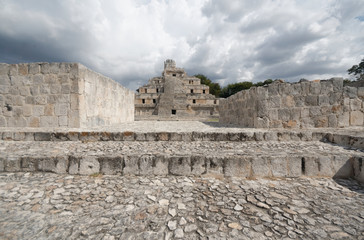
[(174, 96)]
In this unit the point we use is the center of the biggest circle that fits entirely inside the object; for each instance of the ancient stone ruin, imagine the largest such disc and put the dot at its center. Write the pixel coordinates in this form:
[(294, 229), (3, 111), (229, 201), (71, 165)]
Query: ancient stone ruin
[(43, 95), (175, 95)]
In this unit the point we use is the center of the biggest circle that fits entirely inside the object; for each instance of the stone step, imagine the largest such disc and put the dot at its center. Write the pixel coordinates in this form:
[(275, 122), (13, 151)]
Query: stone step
[(226, 159)]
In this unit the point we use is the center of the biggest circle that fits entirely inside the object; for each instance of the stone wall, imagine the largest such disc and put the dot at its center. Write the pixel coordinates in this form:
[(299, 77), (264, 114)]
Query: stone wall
[(60, 95), (296, 105)]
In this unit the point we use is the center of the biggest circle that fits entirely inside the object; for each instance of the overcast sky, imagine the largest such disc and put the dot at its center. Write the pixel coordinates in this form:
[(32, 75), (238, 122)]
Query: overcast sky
[(227, 40)]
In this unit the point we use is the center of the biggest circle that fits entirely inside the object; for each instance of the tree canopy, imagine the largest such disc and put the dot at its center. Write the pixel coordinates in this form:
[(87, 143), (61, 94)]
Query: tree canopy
[(215, 88), (230, 89), (357, 70)]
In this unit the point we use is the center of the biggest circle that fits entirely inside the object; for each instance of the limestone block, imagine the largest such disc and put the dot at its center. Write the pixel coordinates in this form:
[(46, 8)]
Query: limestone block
[(321, 121), (40, 100), (44, 89), (260, 166), (311, 165), (51, 79), (198, 165), (161, 165), (343, 119), (326, 87), (332, 121), (305, 112), (49, 121), (307, 123), (284, 114), (214, 165), (305, 88), (314, 112), (61, 109), (54, 67), (146, 163), (20, 80), (12, 164), (274, 101), (338, 84), (29, 164), (131, 165), (4, 89), (13, 69), (279, 166), (16, 122), (294, 166), (273, 89), (323, 100), (63, 121), (22, 69), (180, 165), (89, 165), (38, 110), (342, 166), (2, 121), (262, 122), (361, 92), (5, 80), (357, 118), (351, 92), (4, 69), (358, 165), (111, 165), (49, 110), (42, 136), (2, 164), (259, 136), (299, 100), (33, 121), (262, 93), (290, 124), (355, 104), (34, 68), (38, 79), (54, 164), (288, 101), (55, 88), (270, 136), (262, 108), (325, 166), (311, 100), (222, 137), (44, 68), (237, 166)]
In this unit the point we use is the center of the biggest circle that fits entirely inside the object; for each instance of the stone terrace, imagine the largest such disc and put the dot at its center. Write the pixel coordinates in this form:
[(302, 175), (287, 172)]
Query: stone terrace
[(181, 180)]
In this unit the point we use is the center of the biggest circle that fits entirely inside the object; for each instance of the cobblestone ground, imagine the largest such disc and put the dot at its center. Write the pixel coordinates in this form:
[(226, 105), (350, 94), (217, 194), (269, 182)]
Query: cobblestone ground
[(51, 206), (77, 148)]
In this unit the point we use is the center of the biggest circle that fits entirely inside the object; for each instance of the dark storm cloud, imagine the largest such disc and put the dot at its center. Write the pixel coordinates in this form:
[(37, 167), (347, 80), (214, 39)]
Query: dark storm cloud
[(228, 41)]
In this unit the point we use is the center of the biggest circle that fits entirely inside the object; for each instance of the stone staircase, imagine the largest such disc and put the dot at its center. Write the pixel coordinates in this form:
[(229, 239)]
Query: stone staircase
[(247, 153)]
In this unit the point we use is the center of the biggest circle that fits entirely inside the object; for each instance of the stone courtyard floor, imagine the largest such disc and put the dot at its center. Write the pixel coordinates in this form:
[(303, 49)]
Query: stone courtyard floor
[(51, 206)]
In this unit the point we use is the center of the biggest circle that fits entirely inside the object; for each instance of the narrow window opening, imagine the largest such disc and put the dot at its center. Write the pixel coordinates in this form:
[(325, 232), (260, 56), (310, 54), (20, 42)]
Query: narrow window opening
[(154, 101), (303, 167), (157, 90), (214, 101), (143, 101), (174, 75), (191, 90), (174, 111), (194, 101), (203, 91)]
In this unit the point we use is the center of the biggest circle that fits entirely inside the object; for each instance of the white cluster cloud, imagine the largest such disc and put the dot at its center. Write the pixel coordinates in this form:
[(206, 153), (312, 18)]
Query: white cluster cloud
[(229, 41)]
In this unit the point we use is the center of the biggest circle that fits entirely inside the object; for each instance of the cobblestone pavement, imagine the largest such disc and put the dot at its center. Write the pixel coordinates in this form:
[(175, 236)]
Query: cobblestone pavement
[(51, 206), (182, 126), (218, 148)]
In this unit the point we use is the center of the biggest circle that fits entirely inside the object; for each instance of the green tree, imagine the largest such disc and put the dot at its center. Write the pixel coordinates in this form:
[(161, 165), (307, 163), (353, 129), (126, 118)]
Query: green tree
[(215, 88), (357, 70), (233, 88)]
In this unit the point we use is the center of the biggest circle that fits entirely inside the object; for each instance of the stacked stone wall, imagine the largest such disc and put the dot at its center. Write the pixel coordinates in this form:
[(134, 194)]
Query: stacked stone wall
[(326, 103), (57, 95)]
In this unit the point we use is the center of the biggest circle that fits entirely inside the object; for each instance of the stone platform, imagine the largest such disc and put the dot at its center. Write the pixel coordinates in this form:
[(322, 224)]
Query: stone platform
[(181, 180), (186, 148)]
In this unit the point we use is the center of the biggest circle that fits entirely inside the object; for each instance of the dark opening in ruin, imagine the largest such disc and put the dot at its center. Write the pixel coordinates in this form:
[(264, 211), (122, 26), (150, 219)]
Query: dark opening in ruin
[(143, 101), (174, 111), (174, 74), (194, 100), (154, 101), (303, 167), (157, 90), (203, 91), (214, 101), (191, 90)]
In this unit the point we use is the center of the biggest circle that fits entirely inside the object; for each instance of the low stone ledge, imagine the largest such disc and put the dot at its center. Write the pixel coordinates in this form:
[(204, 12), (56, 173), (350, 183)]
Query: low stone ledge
[(248, 166)]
